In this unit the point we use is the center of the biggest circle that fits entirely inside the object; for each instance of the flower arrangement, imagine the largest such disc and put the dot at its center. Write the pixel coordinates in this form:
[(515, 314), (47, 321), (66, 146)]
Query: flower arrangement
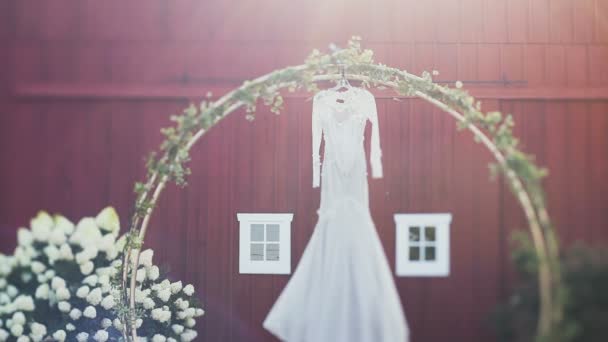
[(59, 285)]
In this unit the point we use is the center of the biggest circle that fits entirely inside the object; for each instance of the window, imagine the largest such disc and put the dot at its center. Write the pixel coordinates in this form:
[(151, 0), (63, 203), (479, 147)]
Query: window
[(423, 244), (265, 243)]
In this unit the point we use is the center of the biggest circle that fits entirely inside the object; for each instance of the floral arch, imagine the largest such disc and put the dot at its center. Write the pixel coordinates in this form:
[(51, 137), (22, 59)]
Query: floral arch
[(491, 129)]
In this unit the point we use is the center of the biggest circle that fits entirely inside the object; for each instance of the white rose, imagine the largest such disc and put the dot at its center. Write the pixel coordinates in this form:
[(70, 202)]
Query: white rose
[(108, 302), (57, 283), (16, 330), (108, 220), (189, 335), (90, 312), (24, 237), (159, 338), (59, 335), (64, 306), (42, 292), (176, 287), (82, 337), (153, 272), (101, 336), (94, 297), (178, 329), (189, 290), (62, 294), (87, 267), (63, 224), (82, 292)]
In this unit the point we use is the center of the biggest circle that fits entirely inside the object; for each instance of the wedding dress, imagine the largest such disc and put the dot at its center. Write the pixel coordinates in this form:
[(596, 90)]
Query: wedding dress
[(342, 289)]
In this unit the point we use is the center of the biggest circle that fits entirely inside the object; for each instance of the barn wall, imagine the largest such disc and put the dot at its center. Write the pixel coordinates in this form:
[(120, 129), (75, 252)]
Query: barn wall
[(72, 142)]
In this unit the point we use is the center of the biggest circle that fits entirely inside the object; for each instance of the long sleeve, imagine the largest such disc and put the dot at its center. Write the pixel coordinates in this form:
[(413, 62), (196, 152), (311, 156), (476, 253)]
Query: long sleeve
[(376, 152), (316, 143)]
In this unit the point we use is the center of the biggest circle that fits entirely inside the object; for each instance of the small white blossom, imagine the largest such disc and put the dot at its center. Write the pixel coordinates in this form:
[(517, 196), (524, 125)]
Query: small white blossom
[(24, 237), (141, 275), (42, 292), (188, 335), (90, 280), (82, 337), (82, 292), (75, 314), (24, 303), (149, 303), (106, 323), (17, 330), (117, 324), (189, 290), (108, 302), (164, 294), (3, 335), (57, 237), (190, 322), (70, 327), (23, 338), (59, 335), (57, 283), (176, 287), (138, 323), (153, 272), (64, 306), (161, 315), (41, 226), (159, 338), (38, 331), (12, 291), (94, 297), (63, 224), (108, 220), (37, 267), (65, 252), (177, 328), (90, 312), (145, 258), (101, 336), (62, 294), (18, 318), (87, 267)]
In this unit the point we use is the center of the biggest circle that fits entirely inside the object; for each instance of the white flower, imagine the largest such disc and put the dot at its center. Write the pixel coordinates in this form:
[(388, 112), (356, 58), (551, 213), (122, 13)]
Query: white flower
[(59, 335), (188, 335), (42, 292), (86, 232), (24, 303), (159, 338), (57, 283), (107, 244), (141, 275), (64, 306), (23, 338), (106, 323), (178, 329), (108, 302), (2, 282), (190, 322), (24, 237), (117, 324), (64, 224), (16, 330), (176, 287), (108, 220), (82, 292), (101, 336), (149, 303), (62, 293), (189, 290), (57, 237), (90, 312), (161, 315), (38, 330), (49, 274), (70, 327), (41, 226), (88, 253), (3, 335), (18, 318), (94, 297), (38, 267), (87, 267), (12, 291), (75, 314), (458, 84), (145, 258), (90, 280), (82, 337), (138, 323), (153, 272), (184, 304), (52, 253), (171, 339), (164, 294), (65, 252)]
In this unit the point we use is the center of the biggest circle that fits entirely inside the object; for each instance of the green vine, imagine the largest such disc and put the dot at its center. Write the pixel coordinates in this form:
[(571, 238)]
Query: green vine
[(525, 177)]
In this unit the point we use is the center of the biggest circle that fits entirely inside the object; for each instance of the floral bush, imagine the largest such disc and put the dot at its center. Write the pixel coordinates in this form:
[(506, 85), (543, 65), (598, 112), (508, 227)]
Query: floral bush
[(57, 286)]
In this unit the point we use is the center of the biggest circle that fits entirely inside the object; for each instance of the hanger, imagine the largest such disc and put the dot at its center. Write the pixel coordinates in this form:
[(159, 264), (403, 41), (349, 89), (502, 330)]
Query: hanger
[(342, 84)]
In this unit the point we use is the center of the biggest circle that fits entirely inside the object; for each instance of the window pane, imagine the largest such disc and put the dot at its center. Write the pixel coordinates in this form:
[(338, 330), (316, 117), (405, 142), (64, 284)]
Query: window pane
[(429, 253), (272, 251), (272, 232), (257, 232), (414, 253), (414, 233), (429, 233), (257, 251)]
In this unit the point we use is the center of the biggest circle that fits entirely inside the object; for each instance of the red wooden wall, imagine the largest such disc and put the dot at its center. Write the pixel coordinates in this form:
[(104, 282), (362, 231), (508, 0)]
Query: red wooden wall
[(85, 87)]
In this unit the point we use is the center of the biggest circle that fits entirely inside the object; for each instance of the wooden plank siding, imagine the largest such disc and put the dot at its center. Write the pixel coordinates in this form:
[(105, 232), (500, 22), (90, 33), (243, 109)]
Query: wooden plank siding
[(85, 87)]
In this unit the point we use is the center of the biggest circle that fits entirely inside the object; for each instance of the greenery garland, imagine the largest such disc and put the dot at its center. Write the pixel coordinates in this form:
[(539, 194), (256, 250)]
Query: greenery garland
[(493, 129)]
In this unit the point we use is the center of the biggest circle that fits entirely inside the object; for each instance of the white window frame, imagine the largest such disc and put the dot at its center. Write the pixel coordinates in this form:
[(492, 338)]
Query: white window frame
[(248, 266), (440, 267)]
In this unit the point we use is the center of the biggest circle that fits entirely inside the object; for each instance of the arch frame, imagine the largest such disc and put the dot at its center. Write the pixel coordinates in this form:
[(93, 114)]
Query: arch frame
[(491, 129)]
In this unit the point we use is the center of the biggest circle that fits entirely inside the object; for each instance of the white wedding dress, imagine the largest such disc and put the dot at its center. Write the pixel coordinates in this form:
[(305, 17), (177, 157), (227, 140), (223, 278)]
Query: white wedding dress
[(342, 289)]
